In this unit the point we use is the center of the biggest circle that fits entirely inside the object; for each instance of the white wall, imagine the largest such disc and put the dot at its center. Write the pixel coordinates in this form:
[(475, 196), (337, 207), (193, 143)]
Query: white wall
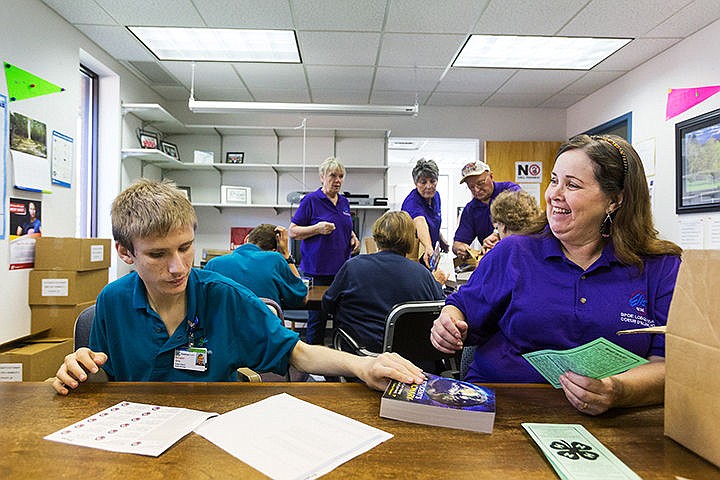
[(644, 93), (36, 39)]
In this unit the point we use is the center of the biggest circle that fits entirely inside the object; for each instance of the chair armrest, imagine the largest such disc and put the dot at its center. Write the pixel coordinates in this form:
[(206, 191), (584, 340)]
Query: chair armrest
[(248, 375), (341, 334)]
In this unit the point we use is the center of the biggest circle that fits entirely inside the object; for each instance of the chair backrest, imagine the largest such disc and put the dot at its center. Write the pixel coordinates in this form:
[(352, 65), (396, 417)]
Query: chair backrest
[(82, 327), (466, 358), (407, 331), (274, 307)]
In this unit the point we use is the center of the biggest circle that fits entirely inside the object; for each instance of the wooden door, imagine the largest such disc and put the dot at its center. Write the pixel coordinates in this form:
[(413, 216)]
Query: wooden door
[(501, 156)]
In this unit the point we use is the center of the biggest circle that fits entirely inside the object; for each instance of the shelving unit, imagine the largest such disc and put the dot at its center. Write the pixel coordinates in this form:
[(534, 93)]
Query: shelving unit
[(275, 168)]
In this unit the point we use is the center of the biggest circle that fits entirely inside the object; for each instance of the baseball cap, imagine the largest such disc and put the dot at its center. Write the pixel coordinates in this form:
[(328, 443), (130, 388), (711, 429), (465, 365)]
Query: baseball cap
[(474, 168)]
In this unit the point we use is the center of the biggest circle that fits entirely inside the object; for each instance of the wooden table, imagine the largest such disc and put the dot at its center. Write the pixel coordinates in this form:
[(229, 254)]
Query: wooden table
[(315, 294), (32, 410)]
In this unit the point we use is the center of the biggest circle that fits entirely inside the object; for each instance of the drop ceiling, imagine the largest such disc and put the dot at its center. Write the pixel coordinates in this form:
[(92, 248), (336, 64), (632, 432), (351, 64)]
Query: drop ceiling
[(389, 51)]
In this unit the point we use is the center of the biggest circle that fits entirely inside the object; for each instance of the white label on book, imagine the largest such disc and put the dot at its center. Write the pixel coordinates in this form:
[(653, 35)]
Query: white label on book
[(97, 253), (55, 287), (11, 372)]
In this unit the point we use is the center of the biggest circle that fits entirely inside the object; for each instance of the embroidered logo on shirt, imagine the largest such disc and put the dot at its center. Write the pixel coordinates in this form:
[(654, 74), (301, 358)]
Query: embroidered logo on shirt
[(638, 301)]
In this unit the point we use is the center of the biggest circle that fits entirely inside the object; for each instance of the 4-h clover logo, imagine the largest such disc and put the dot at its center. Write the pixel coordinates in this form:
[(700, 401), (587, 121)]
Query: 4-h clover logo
[(574, 450)]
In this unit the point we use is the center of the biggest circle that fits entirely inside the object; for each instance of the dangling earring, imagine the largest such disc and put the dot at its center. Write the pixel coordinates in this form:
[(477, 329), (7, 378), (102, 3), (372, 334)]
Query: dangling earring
[(606, 226)]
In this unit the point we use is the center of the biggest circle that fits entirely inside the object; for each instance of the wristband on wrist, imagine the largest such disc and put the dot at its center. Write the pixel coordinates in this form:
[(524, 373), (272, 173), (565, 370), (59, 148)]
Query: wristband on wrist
[(290, 259)]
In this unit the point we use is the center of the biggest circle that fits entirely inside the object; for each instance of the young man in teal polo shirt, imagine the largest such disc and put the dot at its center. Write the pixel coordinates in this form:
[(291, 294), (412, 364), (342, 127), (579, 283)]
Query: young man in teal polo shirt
[(154, 323)]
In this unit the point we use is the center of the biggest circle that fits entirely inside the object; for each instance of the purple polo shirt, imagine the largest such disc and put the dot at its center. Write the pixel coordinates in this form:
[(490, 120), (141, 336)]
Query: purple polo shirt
[(475, 220), (417, 206), (525, 295), (324, 254)]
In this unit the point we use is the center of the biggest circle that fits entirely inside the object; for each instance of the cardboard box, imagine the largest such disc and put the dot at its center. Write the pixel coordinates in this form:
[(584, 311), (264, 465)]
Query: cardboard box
[(692, 378), (56, 320), (54, 253), (61, 287), (34, 360)]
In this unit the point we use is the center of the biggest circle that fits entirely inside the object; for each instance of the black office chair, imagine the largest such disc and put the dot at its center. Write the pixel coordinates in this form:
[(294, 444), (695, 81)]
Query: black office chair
[(81, 335), (407, 332)]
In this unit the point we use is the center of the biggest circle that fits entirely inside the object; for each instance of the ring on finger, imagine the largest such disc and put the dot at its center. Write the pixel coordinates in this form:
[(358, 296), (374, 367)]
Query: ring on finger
[(584, 406)]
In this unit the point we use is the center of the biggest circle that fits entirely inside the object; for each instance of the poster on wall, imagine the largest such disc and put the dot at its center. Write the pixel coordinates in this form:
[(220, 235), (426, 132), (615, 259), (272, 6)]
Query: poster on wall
[(3, 158), (528, 172), (62, 159), (28, 142), (25, 227)]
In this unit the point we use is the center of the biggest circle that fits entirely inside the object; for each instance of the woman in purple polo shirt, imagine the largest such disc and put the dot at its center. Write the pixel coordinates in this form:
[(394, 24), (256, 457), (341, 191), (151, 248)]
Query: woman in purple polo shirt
[(598, 268), (423, 205), (324, 224)]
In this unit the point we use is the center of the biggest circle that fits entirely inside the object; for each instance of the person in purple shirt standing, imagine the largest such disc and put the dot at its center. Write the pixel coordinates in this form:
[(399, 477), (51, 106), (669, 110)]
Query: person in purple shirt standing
[(475, 221), (598, 268), (423, 205), (324, 224)]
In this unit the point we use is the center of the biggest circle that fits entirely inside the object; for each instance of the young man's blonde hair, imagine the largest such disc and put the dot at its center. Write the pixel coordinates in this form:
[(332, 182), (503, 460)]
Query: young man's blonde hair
[(150, 208), (394, 231)]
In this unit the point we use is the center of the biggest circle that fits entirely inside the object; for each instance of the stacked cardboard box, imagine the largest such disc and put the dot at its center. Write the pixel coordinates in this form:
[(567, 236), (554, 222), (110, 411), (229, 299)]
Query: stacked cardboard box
[(33, 360), (69, 273)]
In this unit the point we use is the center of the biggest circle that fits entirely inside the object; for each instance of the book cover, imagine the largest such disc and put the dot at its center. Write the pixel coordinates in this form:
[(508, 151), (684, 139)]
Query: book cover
[(442, 402)]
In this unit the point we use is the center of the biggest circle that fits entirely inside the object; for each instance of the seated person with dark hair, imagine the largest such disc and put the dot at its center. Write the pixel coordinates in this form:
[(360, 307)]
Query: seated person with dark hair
[(154, 323), (264, 265), (368, 286)]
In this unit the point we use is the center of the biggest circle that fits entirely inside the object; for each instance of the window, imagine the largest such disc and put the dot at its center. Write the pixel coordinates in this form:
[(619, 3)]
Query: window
[(621, 126), (86, 165)]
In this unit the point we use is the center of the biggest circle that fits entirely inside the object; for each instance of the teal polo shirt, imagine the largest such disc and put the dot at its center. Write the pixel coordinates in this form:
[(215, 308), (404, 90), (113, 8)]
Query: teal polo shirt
[(237, 328)]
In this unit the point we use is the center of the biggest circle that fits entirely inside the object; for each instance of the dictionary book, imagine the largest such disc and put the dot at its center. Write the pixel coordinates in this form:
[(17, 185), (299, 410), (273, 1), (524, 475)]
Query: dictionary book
[(441, 402)]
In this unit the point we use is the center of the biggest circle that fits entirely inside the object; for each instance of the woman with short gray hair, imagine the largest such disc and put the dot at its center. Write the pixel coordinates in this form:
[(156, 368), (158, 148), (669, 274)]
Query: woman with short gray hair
[(423, 205)]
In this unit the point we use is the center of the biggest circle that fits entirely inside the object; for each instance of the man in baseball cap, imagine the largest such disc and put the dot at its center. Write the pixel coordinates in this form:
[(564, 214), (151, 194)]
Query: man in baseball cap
[(475, 221)]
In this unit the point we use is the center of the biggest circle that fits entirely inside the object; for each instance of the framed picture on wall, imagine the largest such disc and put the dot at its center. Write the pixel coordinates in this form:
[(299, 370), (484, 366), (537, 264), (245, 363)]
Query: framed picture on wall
[(697, 156), (235, 195), (170, 149), (235, 157), (148, 139)]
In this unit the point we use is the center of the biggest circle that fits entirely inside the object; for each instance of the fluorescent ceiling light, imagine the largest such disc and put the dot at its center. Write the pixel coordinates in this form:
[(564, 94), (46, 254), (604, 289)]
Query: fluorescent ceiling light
[(508, 51), (197, 106), (219, 44)]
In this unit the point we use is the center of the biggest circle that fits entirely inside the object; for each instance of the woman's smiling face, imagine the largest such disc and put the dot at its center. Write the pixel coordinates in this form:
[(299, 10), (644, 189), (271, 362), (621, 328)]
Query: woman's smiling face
[(576, 205)]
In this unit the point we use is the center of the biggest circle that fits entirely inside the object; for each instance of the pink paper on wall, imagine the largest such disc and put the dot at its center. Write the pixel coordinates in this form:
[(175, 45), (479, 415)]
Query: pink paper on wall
[(680, 99)]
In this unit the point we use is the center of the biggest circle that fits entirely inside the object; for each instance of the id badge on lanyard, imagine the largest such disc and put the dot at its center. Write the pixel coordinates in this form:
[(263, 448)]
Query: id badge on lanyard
[(192, 357)]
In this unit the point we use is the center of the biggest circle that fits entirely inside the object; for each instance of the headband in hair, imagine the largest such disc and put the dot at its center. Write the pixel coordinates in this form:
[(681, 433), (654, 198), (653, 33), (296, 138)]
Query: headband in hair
[(618, 148)]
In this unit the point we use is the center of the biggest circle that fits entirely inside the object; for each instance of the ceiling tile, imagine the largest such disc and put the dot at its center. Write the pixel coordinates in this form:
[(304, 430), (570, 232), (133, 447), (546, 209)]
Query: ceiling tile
[(178, 13), (408, 79), (591, 82), (430, 16), (473, 80), (207, 74), (688, 20), (384, 97), (272, 75), (406, 50), (81, 11), (172, 93), (562, 100), (444, 99), (521, 17), (350, 15), (635, 53), (338, 78), (220, 94), (262, 14), (542, 82), (516, 100), (338, 48), (118, 42), (613, 18)]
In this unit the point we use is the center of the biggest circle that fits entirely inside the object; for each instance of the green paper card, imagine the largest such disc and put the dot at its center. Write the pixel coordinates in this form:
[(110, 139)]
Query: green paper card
[(597, 359)]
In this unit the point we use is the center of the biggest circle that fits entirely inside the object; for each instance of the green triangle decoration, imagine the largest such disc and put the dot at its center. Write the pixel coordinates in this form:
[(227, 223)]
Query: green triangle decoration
[(22, 84)]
